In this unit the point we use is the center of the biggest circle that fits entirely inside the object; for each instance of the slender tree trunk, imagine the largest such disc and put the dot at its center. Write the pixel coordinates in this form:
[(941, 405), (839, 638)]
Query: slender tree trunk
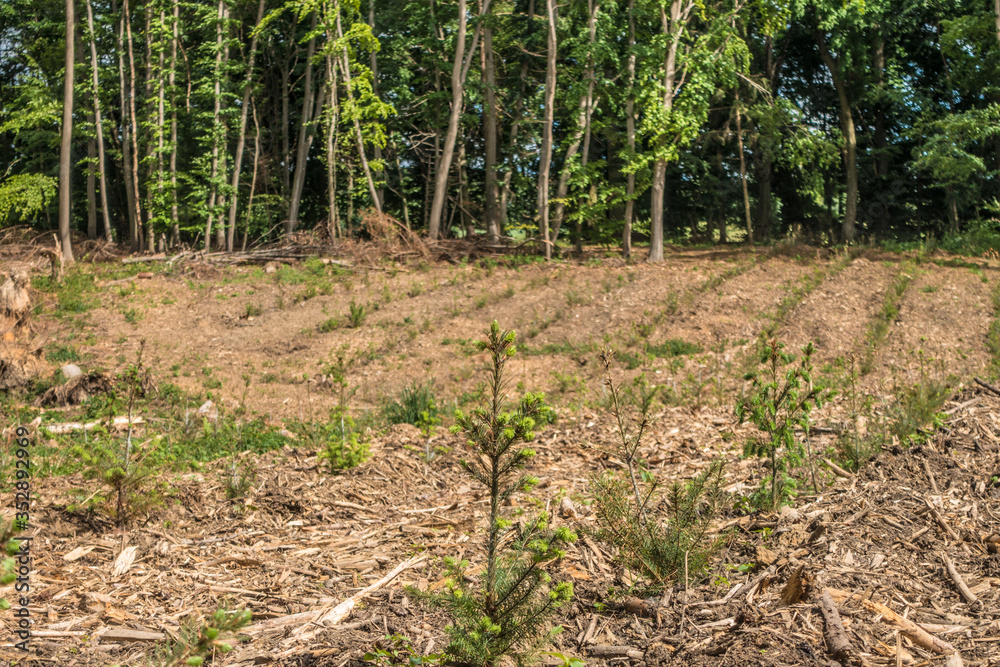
[(130, 195), (490, 137), (463, 194), (161, 101), (175, 230), (99, 128), (630, 135), (996, 17), (587, 104), (505, 193), (331, 149), (253, 178), (302, 154), (443, 167), (402, 187), (743, 170), (91, 186), (377, 150), (546, 155), (346, 68), (286, 149), (217, 109), (671, 28), (241, 137), (850, 139), (66, 146), (459, 70), (137, 197)]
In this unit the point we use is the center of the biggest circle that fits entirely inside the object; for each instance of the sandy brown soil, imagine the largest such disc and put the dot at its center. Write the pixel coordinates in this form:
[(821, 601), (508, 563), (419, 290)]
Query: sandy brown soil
[(306, 539)]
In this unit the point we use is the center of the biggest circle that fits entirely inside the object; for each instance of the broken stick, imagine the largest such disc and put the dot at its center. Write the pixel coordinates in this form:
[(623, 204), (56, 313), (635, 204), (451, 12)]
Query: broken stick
[(916, 633), (963, 588), (836, 637)]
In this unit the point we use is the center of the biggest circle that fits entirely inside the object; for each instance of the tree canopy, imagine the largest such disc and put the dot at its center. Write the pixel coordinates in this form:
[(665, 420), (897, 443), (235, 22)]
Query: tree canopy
[(215, 123)]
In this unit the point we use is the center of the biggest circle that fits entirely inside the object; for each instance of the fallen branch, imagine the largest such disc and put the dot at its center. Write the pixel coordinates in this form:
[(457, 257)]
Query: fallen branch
[(68, 427), (836, 637), (963, 588), (987, 385), (607, 652), (916, 633), (328, 616), (837, 470)]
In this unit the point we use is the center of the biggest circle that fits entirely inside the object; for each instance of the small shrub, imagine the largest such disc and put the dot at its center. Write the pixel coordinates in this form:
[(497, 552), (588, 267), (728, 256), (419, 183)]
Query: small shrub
[(781, 398), (62, 354), (673, 347), (252, 311), (239, 479), (328, 325), (198, 641), (120, 465), (507, 612), (8, 566), (416, 405), (656, 550), (398, 651), (357, 314)]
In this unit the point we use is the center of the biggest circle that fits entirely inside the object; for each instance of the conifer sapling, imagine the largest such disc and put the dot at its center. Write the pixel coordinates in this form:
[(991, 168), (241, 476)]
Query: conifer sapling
[(507, 613)]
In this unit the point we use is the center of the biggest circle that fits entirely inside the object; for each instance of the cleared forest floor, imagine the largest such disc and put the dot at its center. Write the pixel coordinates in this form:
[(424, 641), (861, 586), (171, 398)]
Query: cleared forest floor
[(262, 343)]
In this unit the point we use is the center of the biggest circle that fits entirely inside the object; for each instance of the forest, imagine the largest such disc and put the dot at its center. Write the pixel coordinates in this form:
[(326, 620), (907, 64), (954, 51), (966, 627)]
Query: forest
[(217, 124)]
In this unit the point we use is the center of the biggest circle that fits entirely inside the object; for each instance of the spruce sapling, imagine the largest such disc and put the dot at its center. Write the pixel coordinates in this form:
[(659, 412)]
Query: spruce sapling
[(507, 613)]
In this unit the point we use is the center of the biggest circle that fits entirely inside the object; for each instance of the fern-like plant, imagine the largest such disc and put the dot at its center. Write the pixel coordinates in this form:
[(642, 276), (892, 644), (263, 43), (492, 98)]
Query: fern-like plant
[(507, 612)]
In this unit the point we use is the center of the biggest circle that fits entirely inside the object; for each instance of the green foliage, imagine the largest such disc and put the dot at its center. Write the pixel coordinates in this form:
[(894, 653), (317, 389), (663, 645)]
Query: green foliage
[(781, 398), (8, 566), (657, 550), (398, 650), (200, 641), (119, 466), (25, 195), (416, 405), (239, 479), (62, 354), (74, 295), (357, 314), (673, 347), (879, 327), (507, 611)]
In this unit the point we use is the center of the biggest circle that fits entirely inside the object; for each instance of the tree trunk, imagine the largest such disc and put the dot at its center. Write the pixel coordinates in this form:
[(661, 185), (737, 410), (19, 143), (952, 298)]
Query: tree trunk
[(331, 150), (99, 129), (346, 68), (457, 99), (514, 126), (850, 139), (91, 186), (175, 230), (217, 109), (241, 137), (302, 154), (459, 70), (127, 167), (66, 145), (743, 170), (546, 154), (253, 178), (587, 105), (377, 150), (490, 137), (137, 196), (671, 28), (630, 135)]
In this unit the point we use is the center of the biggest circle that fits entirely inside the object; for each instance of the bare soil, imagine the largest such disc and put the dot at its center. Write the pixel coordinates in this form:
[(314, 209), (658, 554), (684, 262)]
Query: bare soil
[(306, 539)]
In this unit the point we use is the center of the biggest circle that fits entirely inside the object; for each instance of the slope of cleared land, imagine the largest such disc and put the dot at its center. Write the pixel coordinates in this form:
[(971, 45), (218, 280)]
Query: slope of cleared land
[(305, 539)]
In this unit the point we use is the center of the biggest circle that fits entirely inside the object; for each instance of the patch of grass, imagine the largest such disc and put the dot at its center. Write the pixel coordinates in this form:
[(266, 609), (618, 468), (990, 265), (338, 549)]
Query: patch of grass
[(878, 329), (416, 405), (74, 295), (62, 354), (328, 325), (252, 310), (673, 347)]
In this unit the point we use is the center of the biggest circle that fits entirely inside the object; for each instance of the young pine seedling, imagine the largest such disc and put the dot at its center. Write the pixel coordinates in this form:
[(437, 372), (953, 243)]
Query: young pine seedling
[(675, 540), (505, 614)]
